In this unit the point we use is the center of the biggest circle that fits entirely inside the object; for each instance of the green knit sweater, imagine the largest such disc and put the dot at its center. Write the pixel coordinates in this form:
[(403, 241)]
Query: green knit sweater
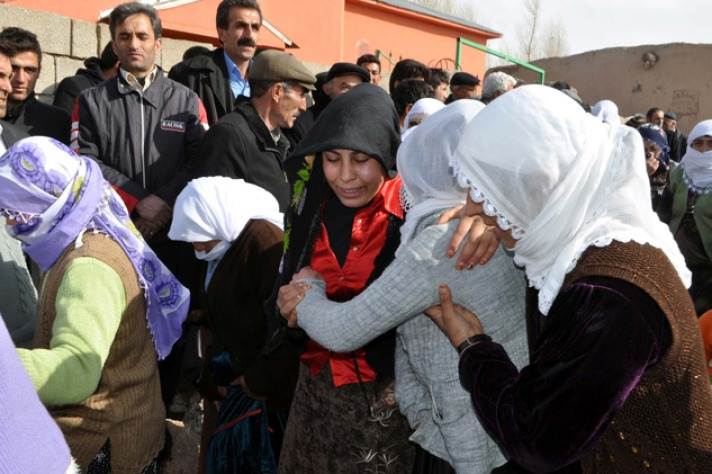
[(89, 305)]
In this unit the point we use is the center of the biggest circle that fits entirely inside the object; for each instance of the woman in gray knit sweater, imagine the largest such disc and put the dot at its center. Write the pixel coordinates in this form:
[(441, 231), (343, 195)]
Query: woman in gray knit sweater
[(427, 383)]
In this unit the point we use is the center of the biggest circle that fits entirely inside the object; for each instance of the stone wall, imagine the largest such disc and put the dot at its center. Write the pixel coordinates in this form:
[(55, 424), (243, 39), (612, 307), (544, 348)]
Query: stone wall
[(669, 76), (66, 43)]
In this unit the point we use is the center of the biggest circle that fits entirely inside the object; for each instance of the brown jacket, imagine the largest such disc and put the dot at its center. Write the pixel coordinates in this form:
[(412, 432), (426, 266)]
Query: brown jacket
[(126, 407), (665, 425)]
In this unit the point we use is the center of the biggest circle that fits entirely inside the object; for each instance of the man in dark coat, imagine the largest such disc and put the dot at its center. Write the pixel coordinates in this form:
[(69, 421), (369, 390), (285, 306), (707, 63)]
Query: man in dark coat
[(220, 76), (248, 143), (677, 141), (96, 70), (24, 110)]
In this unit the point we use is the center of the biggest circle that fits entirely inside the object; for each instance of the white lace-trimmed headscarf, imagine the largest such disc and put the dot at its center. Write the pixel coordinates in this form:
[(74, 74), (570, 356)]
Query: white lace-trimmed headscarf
[(219, 208), (697, 166), (423, 163), (562, 180), (606, 111)]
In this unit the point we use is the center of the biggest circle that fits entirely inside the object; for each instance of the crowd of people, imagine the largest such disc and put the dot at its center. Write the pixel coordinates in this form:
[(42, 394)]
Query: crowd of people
[(412, 279)]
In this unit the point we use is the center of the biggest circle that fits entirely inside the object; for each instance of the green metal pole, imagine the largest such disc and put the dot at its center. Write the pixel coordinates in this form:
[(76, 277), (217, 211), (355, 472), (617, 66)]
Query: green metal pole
[(461, 41)]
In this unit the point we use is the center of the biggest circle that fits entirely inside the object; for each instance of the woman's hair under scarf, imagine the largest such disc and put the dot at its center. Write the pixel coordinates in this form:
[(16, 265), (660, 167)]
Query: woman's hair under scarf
[(219, 208), (58, 196), (562, 180), (651, 134), (696, 165), (424, 164), (606, 111)]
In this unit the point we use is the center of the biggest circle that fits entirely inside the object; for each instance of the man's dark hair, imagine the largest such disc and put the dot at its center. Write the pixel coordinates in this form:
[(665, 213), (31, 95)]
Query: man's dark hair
[(407, 69), (194, 51), (224, 11), (7, 48), (368, 58), (125, 10), (561, 85), (437, 77), (651, 111), (108, 58), (409, 91), (22, 41)]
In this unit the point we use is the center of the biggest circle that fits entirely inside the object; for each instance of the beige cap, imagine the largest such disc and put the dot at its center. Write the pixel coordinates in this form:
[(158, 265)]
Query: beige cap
[(278, 66)]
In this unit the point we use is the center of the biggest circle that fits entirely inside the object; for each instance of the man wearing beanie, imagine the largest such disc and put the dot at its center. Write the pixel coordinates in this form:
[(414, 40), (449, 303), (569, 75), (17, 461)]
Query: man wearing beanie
[(463, 86), (249, 143), (340, 78)]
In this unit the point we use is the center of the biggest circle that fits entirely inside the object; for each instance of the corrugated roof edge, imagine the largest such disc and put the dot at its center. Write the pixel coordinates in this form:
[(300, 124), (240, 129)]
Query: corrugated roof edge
[(406, 5)]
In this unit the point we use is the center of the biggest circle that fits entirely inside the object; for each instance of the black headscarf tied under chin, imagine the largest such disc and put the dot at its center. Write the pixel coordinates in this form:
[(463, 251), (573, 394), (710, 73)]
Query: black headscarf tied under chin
[(362, 119)]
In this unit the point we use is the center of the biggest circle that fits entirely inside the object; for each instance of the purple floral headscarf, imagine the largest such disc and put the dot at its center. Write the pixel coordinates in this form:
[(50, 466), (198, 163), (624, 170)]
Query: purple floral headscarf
[(57, 196)]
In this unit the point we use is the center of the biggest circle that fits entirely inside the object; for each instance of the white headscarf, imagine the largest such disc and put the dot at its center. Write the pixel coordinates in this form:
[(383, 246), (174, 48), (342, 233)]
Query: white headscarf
[(218, 208), (421, 109), (697, 166), (424, 164), (562, 180), (606, 111)]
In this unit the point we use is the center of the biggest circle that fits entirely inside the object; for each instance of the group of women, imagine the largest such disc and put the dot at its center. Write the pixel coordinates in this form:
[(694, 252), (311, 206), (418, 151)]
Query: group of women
[(394, 359)]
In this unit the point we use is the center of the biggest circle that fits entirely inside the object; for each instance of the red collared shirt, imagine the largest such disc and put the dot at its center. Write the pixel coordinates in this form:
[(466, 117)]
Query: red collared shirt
[(368, 236)]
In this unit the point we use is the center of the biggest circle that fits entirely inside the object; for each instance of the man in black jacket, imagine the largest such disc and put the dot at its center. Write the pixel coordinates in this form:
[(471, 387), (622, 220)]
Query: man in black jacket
[(24, 110), (248, 143), (96, 70), (220, 76)]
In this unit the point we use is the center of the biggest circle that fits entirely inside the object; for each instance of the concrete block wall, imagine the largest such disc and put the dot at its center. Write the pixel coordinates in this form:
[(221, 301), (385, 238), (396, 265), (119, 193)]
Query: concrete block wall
[(66, 43)]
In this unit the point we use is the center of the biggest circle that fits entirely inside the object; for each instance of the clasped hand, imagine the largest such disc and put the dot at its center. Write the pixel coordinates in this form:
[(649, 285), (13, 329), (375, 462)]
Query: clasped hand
[(290, 295)]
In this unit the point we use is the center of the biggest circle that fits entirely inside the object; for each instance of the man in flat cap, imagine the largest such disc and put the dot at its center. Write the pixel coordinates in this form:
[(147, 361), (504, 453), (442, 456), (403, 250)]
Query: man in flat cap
[(340, 78), (463, 86), (249, 143)]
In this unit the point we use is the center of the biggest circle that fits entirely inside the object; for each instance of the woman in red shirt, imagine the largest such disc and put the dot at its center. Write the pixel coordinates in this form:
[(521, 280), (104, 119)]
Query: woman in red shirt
[(344, 222)]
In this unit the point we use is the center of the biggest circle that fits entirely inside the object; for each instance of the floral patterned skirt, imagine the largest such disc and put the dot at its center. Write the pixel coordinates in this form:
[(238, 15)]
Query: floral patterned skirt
[(335, 430)]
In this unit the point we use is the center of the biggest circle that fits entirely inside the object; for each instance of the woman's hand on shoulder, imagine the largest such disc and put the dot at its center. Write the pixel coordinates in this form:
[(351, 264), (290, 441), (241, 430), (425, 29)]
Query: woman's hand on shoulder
[(481, 242)]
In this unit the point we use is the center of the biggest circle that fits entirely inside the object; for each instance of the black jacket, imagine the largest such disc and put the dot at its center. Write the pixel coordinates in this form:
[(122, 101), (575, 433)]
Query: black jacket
[(38, 118), (65, 96), (207, 76), (240, 146), (108, 122), (11, 134)]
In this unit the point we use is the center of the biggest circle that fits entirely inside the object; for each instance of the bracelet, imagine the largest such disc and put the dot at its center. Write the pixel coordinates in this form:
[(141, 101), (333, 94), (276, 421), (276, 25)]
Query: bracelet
[(471, 341)]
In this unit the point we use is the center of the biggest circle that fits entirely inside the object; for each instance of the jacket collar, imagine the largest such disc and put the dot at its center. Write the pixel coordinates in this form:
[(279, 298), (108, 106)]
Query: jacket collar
[(152, 94), (243, 106)]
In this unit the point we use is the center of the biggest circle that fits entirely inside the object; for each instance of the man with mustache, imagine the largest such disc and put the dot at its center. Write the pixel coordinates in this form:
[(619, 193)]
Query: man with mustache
[(220, 76)]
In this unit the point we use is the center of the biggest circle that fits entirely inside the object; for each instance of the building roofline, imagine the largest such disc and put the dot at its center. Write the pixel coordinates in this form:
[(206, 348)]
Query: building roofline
[(408, 8)]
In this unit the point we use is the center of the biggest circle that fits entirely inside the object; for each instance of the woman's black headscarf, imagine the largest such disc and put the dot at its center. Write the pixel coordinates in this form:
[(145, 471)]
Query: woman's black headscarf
[(362, 119)]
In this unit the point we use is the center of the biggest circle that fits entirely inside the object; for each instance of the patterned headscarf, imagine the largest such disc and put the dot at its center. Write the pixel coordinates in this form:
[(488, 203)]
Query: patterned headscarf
[(57, 196)]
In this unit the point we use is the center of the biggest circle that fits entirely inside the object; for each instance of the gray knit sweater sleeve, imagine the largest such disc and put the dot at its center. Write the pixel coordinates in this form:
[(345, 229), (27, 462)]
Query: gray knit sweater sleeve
[(405, 289)]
